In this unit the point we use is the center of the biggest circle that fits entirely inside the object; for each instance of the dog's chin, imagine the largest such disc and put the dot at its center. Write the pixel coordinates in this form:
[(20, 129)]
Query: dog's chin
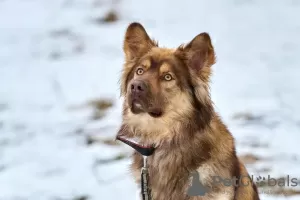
[(138, 108)]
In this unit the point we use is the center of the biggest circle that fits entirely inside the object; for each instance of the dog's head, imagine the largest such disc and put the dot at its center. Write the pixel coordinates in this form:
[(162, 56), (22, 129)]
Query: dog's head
[(165, 88)]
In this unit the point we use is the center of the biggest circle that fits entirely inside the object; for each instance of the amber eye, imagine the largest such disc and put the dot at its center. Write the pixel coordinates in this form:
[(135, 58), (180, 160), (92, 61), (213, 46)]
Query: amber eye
[(139, 71), (168, 77)]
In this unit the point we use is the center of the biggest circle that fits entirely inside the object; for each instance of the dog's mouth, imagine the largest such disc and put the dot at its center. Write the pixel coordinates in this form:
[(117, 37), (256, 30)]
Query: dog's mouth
[(137, 108)]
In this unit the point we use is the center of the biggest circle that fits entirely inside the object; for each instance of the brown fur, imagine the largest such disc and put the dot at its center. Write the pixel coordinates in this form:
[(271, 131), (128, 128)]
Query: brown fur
[(189, 135)]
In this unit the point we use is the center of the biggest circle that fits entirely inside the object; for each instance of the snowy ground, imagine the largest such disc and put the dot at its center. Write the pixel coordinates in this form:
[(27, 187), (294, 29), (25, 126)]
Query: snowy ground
[(56, 56)]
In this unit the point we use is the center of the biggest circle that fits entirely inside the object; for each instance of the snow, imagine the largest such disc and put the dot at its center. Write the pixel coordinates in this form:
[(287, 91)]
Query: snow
[(54, 56)]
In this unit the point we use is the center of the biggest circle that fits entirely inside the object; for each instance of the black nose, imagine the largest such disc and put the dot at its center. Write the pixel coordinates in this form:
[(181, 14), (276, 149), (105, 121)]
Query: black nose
[(138, 87)]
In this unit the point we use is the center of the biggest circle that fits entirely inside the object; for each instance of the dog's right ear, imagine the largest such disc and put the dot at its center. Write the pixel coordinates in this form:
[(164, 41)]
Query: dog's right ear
[(136, 42), (199, 54)]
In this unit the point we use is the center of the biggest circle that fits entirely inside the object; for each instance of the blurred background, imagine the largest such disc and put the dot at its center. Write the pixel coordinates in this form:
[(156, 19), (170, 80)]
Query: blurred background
[(60, 61)]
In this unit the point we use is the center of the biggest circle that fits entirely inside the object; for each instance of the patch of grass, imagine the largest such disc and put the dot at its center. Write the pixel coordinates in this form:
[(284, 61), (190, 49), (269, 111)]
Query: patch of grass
[(278, 191), (254, 144), (81, 197), (118, 157), (2, 168), (61, 32), (247, 116), (77, 44), (111, 142), (55, 55), (258, 145), (91, 140), (249, 158), (97, 115), (79, 130), (286, 192), (100, 106), (110, 17)]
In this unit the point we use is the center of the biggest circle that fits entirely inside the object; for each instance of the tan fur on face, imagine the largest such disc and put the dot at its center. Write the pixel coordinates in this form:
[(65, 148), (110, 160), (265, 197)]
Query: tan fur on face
[(178, 107), (190, 135), (164, 68), (155, 130)]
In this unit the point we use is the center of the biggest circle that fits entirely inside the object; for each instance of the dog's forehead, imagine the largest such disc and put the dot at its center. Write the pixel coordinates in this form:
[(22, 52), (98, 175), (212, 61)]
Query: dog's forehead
[(157, 65), (160, 59)]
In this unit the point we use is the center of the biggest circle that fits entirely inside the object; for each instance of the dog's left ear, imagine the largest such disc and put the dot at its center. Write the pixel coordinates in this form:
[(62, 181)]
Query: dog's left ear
[(199, 53), (136, 42)]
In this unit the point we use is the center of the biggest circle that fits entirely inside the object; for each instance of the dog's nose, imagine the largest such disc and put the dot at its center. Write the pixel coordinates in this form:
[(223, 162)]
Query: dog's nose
[(138, 87)]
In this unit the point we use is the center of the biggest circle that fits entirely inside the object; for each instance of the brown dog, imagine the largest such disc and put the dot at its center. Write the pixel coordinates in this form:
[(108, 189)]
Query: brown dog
[(167, 103)]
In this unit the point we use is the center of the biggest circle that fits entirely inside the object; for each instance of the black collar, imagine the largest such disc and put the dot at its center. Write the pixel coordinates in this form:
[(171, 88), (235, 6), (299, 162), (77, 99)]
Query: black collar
[(144, 150)]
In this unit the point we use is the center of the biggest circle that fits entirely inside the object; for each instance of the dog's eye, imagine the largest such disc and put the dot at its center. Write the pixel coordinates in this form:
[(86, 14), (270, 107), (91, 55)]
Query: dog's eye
[(139, 71), (168, 77)]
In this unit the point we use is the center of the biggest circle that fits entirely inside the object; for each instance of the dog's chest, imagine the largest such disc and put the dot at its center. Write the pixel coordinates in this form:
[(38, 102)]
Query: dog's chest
[(169, 178)]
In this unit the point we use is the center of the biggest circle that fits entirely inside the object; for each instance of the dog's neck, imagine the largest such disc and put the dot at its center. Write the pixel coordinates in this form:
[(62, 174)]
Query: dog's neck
[(168, 129), (177, 140)]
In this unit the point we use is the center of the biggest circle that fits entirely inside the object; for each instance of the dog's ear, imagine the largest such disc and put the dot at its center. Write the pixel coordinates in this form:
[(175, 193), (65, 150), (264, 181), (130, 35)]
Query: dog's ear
[(199, 56), (199, 53), (136, 42)]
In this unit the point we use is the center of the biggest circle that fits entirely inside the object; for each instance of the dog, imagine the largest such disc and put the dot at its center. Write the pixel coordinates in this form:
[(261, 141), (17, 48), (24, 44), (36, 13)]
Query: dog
[(167, 104)]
